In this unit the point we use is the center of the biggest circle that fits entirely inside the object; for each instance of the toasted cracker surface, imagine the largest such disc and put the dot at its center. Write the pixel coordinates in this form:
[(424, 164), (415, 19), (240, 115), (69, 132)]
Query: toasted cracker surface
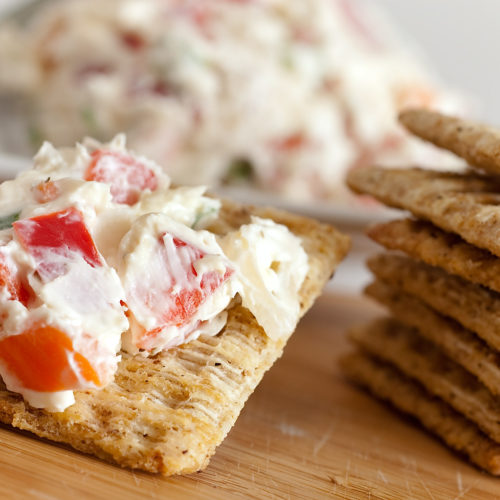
[(424, 241), (465, 204), (168, 413), (456, 342), (389, 384), (421, 360), (439, 359), (476, 143), (475, 307)]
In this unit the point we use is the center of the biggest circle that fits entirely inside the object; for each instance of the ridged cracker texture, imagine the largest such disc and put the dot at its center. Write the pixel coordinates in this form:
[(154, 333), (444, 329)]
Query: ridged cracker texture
[(473, 306), (389, 384), (420, 360), (476, 143), (168, 413), (454, 340), (422, 240), (465, 204), (438, 357)]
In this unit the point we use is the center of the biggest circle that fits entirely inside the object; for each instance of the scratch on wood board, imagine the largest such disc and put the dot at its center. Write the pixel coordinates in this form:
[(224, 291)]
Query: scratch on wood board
[(464, 492), (137, 481), (425, 486), (409, 488), (348, 466), (381, 475), (460, 486), (39, 495), (290, 430), (323, 440)]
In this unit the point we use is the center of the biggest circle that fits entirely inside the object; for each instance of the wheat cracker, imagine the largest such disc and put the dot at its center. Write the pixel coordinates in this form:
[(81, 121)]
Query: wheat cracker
[(422, 240), (459, 344), (401, 346), (476, 143), (473, 306), (390, 385), (465, 204)]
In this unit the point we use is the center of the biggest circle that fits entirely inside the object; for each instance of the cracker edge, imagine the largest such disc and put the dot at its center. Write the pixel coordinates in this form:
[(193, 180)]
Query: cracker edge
[(405, 349), (426, 242), (389, 385), (465, 204), (475, 307), (475, 142), (456, 342)]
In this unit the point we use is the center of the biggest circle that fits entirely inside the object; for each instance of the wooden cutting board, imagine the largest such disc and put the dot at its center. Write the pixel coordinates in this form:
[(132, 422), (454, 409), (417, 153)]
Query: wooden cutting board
[(305, 433)]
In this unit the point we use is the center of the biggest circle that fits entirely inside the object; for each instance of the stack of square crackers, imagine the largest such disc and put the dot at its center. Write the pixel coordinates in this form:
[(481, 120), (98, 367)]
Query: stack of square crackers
[(437, 355)]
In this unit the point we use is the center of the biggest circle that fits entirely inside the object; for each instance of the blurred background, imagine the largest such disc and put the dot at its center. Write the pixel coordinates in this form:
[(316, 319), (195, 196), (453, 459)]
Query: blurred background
[(459, 38), (281, 138)]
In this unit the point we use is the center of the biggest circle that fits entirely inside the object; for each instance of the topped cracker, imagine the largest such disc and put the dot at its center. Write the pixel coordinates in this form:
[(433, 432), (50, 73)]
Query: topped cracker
[(168, 413), (476, 143)]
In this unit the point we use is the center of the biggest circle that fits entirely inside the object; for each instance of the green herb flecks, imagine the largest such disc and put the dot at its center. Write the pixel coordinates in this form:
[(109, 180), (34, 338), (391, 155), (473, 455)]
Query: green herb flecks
[(239, 170), (7, 221), (89, 119), (287, 60), (203, 215), (35, 136)]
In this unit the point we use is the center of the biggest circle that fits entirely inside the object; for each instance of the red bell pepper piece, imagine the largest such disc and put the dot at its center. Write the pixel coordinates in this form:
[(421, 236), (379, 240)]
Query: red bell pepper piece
[(55, 239), (10, 279)]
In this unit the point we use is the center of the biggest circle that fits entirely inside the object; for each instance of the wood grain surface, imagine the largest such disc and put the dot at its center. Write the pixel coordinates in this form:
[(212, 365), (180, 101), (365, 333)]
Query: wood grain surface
[(305, 433)]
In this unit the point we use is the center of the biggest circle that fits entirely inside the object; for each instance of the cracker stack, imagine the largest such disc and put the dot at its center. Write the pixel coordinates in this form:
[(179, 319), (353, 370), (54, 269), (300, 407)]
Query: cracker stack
[(437, 356)]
